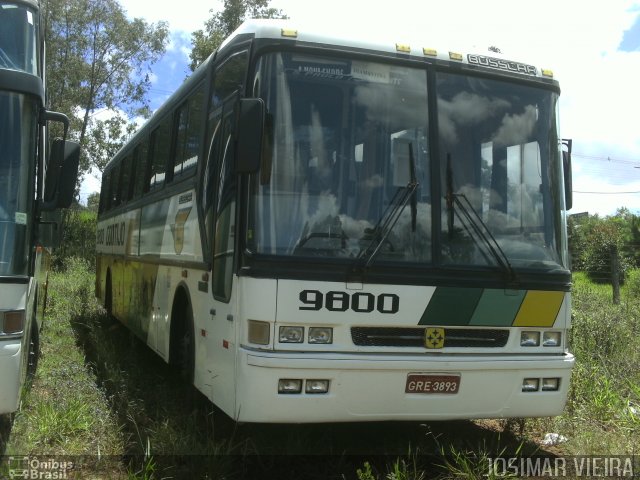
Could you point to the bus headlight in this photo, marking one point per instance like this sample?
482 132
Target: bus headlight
551 339
550 384
530 384
316 386
289 385
291 334
320 335
530 339
12 323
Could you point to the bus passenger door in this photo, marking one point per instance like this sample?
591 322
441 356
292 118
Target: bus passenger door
221 221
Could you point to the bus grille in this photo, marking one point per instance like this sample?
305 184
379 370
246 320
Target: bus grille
415 337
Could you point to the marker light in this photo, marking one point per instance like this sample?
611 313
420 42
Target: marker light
316 386
430 52
259 332
12 323
547 73
289 385
550 384
455 56
291 334
403 48
289 32
320 335
530 384
551 339
530 339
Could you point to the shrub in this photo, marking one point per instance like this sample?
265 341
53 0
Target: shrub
78 237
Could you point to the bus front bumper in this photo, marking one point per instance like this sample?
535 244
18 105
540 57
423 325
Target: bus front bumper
373 387
10 358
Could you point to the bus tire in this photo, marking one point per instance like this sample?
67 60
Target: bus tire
33 353
108 295
182 350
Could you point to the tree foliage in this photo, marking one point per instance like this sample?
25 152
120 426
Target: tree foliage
105 138
78 236
98 59
593 241
223 23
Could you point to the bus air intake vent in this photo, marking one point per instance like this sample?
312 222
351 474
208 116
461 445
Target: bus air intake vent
415 337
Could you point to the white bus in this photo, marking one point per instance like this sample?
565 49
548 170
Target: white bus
319 229
26 193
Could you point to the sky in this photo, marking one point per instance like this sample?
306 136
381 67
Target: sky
593 49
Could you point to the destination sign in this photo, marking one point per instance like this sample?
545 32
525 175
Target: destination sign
502 64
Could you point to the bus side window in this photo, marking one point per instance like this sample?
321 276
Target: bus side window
160 146
113 187
180 127
220 179
188 124
134 173
142 159
104 193
224 234
125 180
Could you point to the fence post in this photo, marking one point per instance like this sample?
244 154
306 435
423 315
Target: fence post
615 274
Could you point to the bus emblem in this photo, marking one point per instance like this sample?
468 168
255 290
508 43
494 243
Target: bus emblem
178 229
434 338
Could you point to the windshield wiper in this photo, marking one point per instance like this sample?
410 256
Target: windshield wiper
7 62
392 214
476 223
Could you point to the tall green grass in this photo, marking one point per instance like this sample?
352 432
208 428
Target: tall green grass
65 412
603 410
101 392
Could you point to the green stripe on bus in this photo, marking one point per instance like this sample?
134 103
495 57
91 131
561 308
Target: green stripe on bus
497 307
451 306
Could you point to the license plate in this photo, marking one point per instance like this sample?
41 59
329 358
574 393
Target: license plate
422 383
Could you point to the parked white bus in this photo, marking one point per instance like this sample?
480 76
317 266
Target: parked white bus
26 193
319 229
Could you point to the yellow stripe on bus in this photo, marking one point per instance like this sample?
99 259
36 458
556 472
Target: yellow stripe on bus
539 309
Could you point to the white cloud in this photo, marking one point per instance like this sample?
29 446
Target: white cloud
185 16
579 40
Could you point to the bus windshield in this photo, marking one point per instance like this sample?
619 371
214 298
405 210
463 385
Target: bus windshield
18 117
18 38
344 137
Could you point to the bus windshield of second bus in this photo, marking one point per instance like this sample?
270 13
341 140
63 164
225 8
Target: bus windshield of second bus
19 120
19 117
18 46
344 134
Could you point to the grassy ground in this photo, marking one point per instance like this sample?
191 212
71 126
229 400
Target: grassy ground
603 413
106 402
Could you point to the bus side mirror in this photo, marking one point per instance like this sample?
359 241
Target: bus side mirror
566 167
249 135
62 174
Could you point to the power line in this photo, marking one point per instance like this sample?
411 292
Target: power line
628 161
606 193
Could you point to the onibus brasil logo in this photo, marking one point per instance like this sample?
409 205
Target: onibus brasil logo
39 468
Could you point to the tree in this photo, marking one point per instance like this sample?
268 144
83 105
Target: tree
105 138
594 240
93 202
631 235
98 59
222 24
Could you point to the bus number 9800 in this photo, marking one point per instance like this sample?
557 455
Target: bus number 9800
359 302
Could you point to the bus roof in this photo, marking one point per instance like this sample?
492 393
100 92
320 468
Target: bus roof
286 30
35 4
376 42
